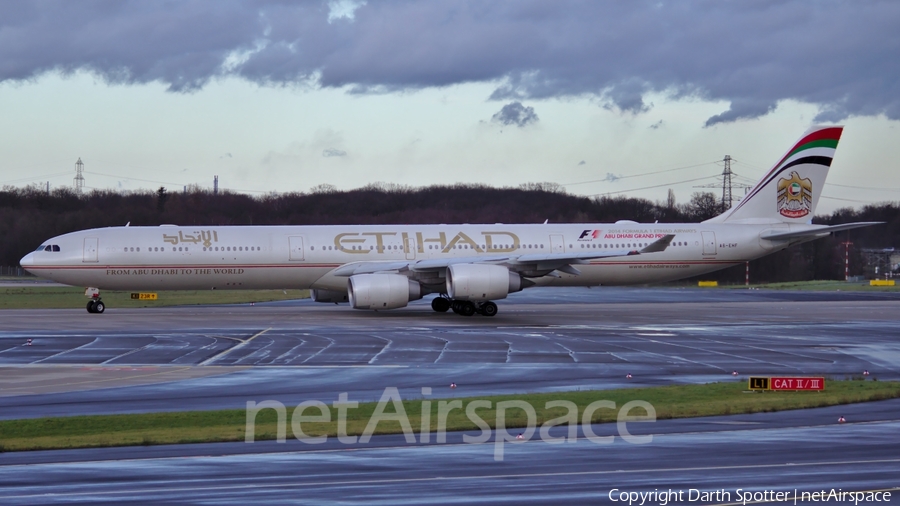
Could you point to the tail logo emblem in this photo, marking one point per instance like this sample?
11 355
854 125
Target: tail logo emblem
794 196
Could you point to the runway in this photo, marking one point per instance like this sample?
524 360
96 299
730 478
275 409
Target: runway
222 356
215 357
778 452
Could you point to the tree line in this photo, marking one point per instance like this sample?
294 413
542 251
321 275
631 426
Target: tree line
31 215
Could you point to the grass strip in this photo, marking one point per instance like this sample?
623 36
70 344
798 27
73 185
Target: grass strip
679 401
62 297
819 286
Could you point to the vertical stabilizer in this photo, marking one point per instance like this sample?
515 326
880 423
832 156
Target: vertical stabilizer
790 191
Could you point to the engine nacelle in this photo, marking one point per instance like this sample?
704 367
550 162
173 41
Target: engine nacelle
382 291
479 282
335 296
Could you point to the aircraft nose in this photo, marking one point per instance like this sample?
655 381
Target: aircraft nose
27 261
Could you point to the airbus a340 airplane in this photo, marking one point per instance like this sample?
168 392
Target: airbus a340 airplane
385 267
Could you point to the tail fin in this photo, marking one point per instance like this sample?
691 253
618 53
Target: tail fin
790 191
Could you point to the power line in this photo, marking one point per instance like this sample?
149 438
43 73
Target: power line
134 178
57 162
847 200
727 184
166 182
130 166
24 179
640 175
650 187
864 187
735 160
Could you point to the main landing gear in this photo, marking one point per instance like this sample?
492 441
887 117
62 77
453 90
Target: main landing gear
464 307
96 306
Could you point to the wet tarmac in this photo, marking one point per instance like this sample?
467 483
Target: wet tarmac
723 458
214 357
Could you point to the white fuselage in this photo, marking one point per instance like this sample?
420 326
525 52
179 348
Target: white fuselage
260 257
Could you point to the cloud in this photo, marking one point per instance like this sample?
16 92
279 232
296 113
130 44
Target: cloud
343 9
837 55
743 109
656 125
581 162
329 152
515 113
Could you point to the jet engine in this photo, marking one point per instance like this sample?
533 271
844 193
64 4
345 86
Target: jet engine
382 291
335 296
478 282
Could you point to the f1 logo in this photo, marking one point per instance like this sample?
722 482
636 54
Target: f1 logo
587 235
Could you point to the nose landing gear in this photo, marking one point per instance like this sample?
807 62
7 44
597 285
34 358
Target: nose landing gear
95 305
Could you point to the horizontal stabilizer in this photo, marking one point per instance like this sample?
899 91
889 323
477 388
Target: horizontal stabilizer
814 232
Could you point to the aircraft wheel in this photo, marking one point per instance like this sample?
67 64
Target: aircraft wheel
489 309
99 307
440 304
90 306
466 308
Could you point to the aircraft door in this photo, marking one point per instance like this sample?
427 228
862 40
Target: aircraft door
709 243
90 249
296 246
410 248
557 243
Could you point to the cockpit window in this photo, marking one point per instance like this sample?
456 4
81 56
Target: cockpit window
48 248
41 248
55 247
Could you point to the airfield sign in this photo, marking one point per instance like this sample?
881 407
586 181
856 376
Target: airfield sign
782 383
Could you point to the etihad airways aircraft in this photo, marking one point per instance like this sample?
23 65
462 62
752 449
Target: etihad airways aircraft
467 266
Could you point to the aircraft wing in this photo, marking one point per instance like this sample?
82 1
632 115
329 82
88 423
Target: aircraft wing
526 262
564 262
815 232
413 265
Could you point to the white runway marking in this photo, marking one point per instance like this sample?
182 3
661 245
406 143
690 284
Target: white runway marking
149 491
229 350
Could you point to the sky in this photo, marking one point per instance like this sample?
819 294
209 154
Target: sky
604 97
